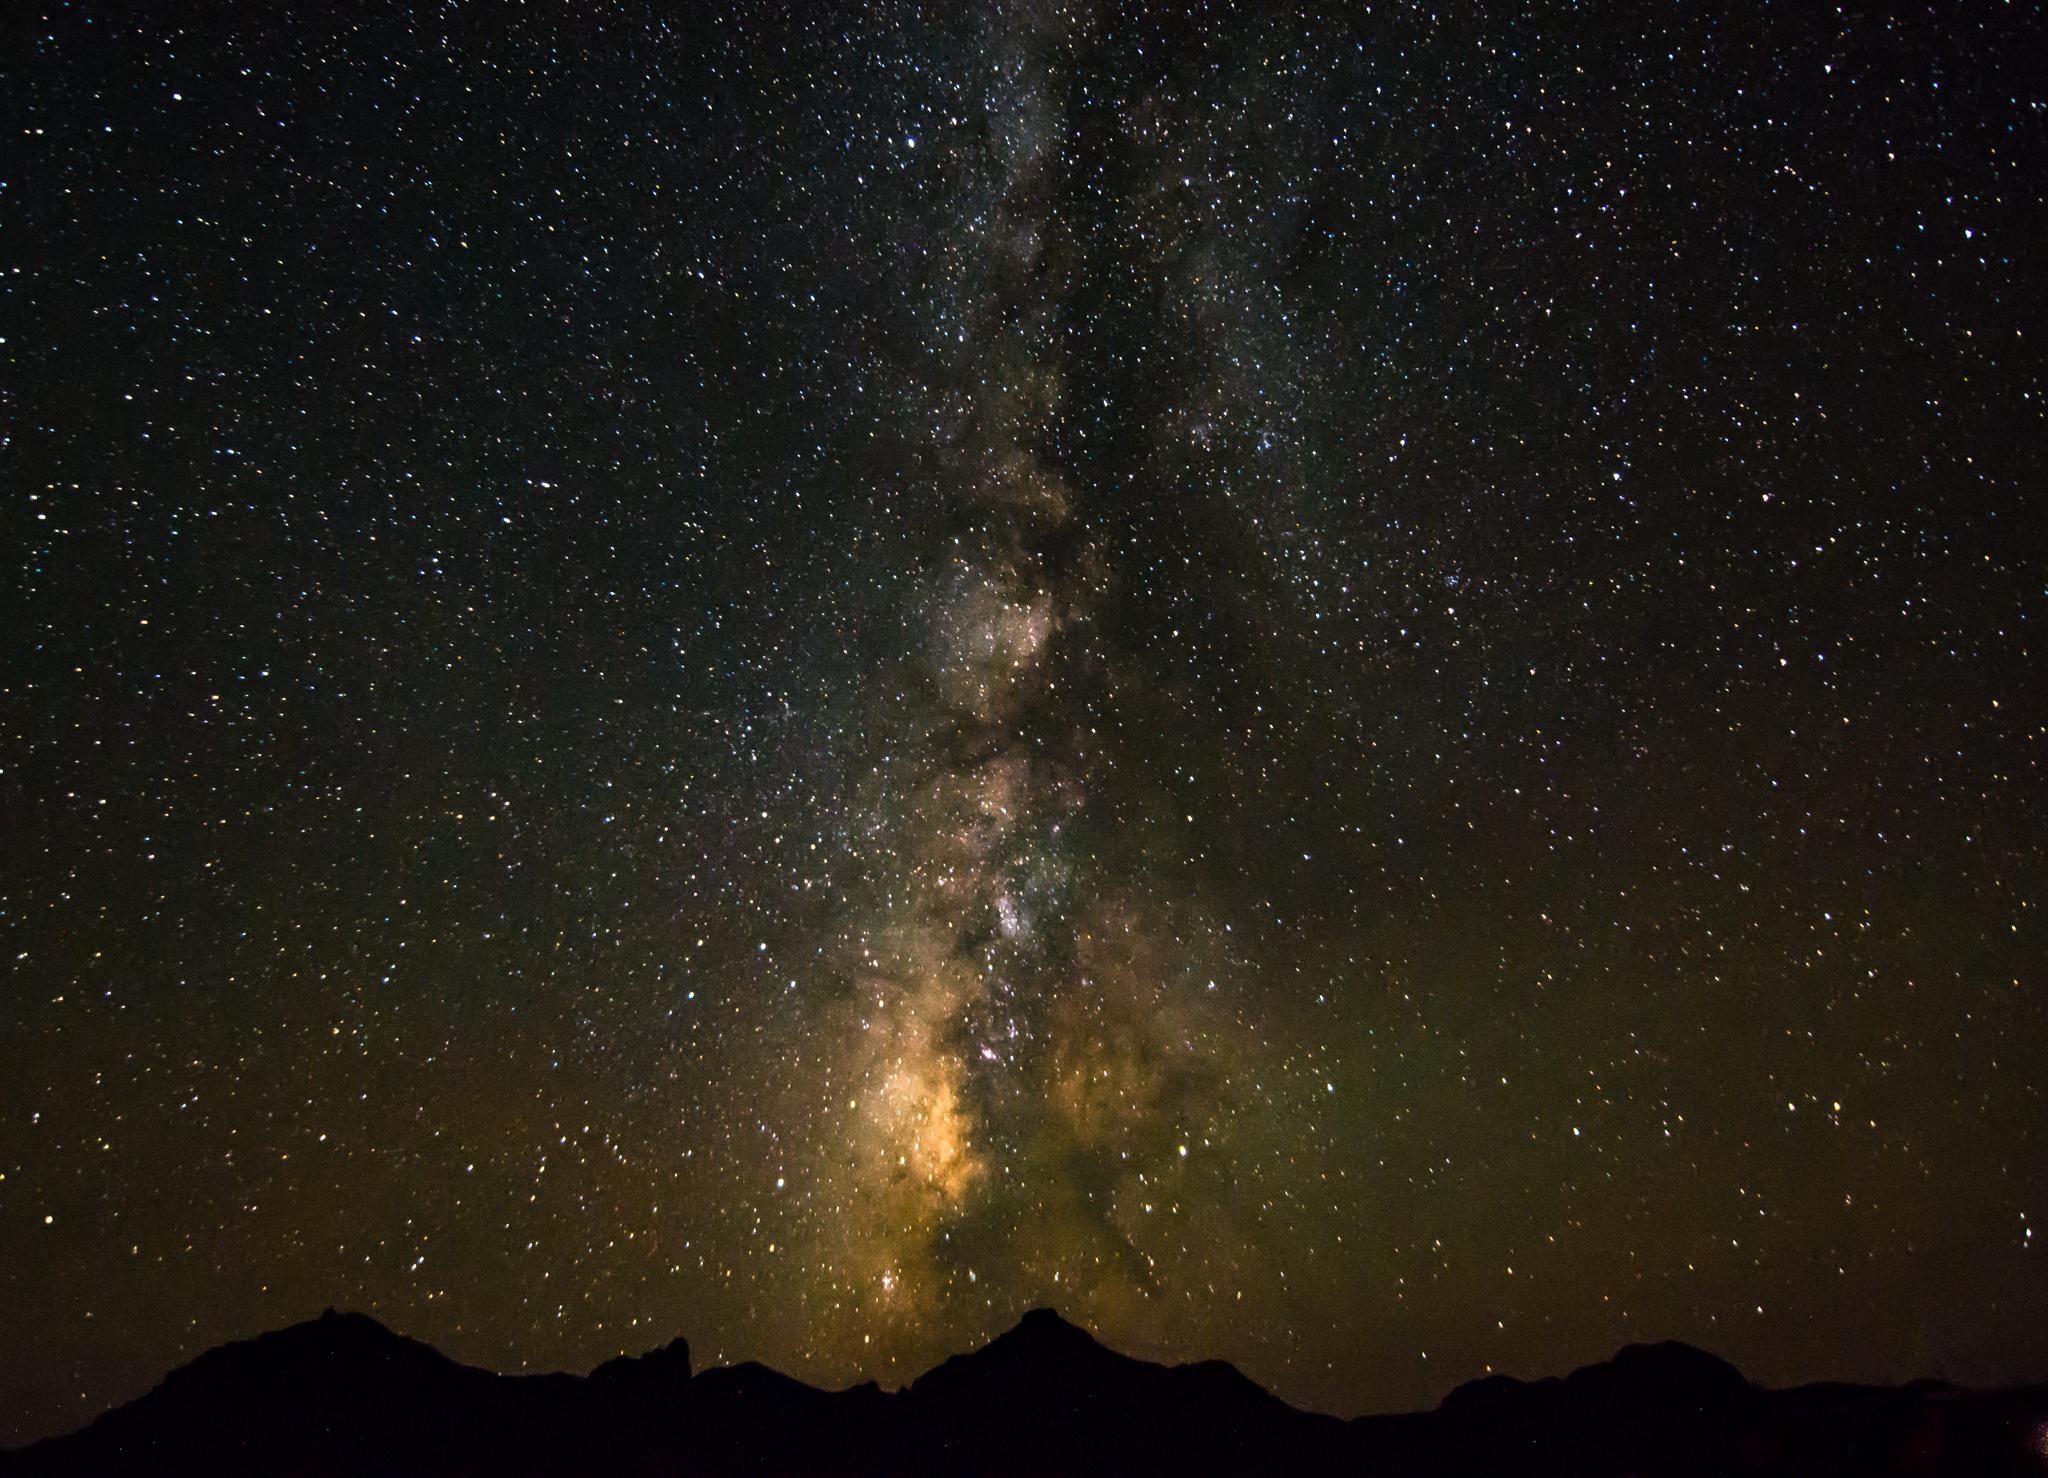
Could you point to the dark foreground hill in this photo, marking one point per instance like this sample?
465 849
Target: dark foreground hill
343 1395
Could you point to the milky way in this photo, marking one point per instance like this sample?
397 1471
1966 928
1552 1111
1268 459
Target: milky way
1350 688
1028 1037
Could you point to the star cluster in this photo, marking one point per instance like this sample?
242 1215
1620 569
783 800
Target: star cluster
1346 687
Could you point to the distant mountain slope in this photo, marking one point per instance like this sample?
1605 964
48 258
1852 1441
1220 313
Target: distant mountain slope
342 1395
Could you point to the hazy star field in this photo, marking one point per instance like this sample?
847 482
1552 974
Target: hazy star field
1352 688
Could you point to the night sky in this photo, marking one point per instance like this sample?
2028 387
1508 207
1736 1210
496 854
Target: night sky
1359 691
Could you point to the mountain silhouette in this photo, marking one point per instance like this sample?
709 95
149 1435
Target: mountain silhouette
1046 1382
343 1395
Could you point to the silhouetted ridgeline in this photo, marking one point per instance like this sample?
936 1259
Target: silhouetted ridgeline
344 1395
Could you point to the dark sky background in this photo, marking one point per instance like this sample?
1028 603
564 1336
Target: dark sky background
1358 690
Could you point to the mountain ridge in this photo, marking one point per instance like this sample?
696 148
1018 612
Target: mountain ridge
344 1394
